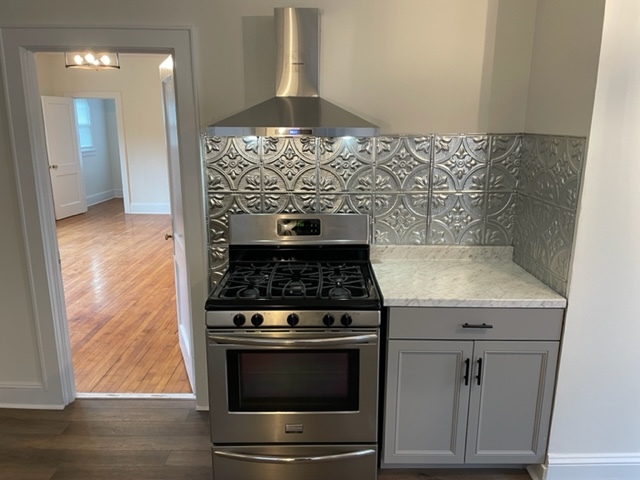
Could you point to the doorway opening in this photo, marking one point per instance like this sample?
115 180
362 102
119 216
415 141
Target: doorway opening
116 263
54 385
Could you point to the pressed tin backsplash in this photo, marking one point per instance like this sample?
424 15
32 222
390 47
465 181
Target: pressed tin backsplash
418 190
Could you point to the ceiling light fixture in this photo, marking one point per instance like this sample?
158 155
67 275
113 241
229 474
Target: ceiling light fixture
91 61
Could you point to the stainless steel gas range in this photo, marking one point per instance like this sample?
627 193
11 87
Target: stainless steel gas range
293 334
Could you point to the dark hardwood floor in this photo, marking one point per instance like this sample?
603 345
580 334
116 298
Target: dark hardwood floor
120 439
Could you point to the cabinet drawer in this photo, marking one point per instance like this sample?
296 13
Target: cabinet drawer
475 323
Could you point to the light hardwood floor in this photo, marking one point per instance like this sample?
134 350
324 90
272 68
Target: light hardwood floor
136 440
119 288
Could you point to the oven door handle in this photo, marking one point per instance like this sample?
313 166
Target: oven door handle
292 342
289 460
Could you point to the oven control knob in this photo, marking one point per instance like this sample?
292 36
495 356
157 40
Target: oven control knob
257 319
328 319
238 319
293 319
346 320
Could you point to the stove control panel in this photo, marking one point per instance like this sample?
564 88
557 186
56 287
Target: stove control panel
300 319
288 227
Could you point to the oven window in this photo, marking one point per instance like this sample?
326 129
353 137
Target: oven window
302 381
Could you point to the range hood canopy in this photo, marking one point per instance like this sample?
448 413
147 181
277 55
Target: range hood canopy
297 108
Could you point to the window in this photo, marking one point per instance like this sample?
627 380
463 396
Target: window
83 121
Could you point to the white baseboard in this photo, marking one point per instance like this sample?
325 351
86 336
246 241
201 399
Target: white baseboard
96 198
118 193
28 406
152 208
623 466
537 472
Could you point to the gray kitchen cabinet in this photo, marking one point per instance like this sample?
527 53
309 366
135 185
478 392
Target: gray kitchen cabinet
475 395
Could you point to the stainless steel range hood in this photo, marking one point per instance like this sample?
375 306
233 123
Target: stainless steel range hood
297 108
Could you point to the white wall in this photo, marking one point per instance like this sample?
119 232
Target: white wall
564 66
112 141
410 65
138 83
18 346
597 412
96 162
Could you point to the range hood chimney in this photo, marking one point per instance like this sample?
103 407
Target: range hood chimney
296 109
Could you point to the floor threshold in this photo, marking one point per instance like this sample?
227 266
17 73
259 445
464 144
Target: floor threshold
143 396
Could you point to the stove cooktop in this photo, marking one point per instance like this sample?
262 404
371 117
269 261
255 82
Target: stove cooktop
299 284
297 262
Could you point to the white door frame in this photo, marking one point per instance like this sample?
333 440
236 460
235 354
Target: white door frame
19 46
122 143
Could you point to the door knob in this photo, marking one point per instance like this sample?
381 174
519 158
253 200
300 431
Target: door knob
167 236
53 167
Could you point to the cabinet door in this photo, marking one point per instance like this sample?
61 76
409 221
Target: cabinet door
510 406
426 402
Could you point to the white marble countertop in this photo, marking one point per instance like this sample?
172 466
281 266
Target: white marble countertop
457 277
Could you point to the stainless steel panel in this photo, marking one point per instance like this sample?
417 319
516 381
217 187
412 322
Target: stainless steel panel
308 318
272 427
262 229
295 462
297 109
297 41
294 116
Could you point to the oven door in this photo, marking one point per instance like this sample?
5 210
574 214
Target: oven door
293 387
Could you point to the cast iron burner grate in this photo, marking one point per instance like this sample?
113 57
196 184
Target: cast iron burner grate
296 280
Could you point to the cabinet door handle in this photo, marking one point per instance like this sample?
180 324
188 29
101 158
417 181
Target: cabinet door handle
467 363
476 325
479 376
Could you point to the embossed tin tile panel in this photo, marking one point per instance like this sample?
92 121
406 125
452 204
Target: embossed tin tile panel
346 203
457 218
460 162
401 219
500 220
548 195
347 162
233 163
499 189
505 160
218 262
289 163
405 163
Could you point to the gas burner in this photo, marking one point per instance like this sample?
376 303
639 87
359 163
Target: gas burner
339 293
250 292
294 288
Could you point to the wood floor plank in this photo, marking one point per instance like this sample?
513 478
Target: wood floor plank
102 414
26 472
138 439
78 457
32 426
112 443
120 297
138 428
137 473
199 458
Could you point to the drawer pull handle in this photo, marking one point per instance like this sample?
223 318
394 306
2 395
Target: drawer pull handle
479 376
467 363
476 325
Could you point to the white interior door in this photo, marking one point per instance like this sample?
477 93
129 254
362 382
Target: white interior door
65 169
177 221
